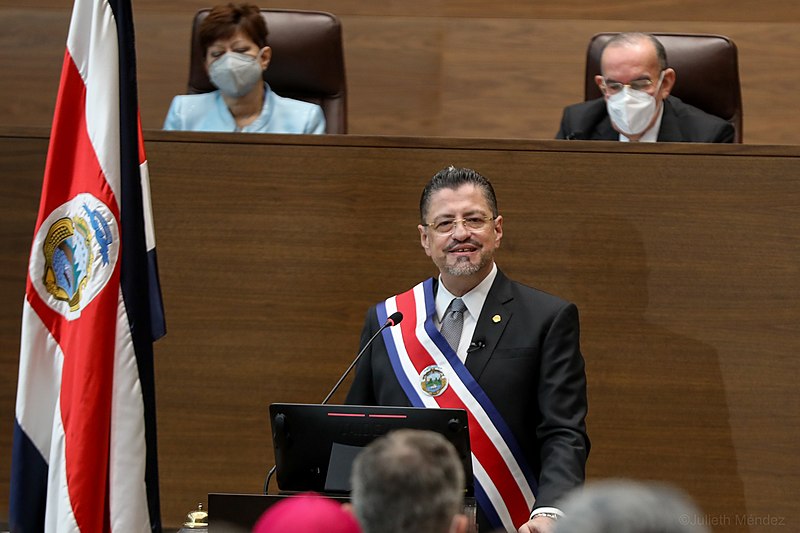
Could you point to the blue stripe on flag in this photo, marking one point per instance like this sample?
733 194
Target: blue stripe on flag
136 280
28 495
158 325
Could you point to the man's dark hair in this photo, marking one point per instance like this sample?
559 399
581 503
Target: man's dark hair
453 178
630 38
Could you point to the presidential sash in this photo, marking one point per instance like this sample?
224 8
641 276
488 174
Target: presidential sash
432 375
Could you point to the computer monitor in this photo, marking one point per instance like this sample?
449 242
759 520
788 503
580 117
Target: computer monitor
315 445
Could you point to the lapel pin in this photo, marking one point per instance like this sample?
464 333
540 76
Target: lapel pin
496 319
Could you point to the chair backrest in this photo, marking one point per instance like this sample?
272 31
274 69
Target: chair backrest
706 67
307 61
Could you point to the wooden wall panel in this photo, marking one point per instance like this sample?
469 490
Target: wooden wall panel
683 261
31 54
683 10
456 69
20 161
514 87
400 70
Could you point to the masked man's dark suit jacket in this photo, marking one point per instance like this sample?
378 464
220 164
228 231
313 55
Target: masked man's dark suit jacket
680 123
530 366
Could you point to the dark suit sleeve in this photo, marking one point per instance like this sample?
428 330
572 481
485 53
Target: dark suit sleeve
697 126
586 121
682 122
726 133
562 400
362 390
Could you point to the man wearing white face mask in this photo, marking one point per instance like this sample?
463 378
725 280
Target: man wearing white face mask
636 103
234 42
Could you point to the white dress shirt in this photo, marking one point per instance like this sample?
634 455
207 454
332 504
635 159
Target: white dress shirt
474 301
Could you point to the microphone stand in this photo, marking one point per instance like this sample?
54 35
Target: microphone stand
394 319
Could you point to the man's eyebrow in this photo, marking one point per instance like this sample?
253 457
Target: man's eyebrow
640 78
467 213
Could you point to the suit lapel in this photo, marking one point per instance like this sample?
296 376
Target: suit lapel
605 131
670 125
489 328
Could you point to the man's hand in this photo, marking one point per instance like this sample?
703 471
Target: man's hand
538 524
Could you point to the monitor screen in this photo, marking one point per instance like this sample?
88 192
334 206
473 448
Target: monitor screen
315 445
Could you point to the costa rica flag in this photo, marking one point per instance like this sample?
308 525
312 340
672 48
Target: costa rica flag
84 455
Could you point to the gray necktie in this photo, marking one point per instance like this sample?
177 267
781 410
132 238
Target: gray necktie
453 322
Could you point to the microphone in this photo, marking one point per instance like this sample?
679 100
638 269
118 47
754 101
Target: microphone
476 345
394 319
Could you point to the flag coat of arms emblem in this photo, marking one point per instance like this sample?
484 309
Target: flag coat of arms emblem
84 453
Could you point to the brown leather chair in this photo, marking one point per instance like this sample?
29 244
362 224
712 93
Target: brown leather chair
307 61
706 67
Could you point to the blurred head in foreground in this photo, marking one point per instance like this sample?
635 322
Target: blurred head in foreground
624 506
306 513
407 481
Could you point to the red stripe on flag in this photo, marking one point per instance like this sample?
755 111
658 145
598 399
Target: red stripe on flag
142 154
482 447
88 342
70 148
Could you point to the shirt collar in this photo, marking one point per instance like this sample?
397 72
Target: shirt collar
266 111
474 299
263 118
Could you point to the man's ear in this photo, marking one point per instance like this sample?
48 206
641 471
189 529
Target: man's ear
424 239
599 81
459 524
667 83
498 230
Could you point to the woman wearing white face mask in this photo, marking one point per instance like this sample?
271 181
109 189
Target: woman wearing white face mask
234 42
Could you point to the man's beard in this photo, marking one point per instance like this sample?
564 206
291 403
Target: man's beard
467 268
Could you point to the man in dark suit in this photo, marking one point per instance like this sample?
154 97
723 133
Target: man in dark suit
514 363
636 103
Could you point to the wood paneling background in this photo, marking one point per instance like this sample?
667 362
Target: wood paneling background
459 68
683 261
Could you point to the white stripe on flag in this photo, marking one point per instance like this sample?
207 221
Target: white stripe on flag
40 373
128 447
147 206
59 516
92 43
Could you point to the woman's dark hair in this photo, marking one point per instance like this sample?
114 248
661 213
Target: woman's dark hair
225 20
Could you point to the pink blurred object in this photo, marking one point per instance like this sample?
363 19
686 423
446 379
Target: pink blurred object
307 513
